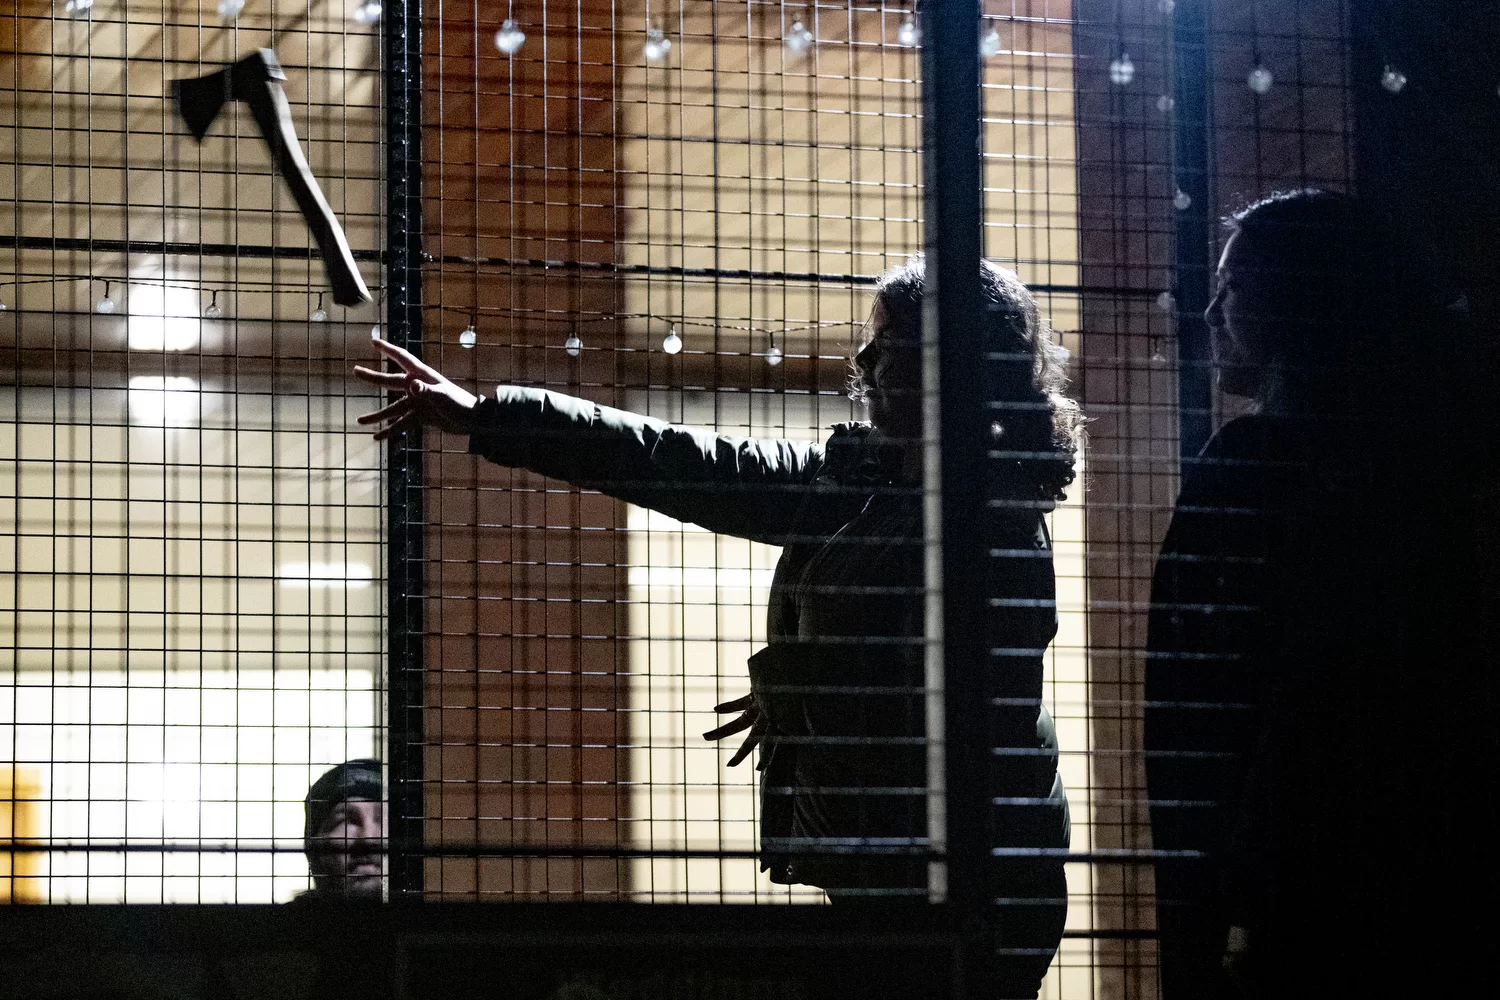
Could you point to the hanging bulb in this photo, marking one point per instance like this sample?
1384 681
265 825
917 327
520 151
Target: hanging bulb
989 44
773 356
78 8
1392 79
319 314
1181 200
229 10
510 37
1121 70
1166 302
1166 6
1260 79
573 345
374 333
657 44
213 311
1165 104
368 12
909 34
1157 357
105 305
672 343
468 336
798 39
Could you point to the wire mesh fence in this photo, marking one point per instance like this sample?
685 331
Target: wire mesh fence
614 222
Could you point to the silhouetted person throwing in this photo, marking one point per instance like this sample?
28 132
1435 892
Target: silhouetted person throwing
837 704
344 832
1305 785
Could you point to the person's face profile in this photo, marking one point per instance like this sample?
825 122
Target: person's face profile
888 365
349 856
1236 322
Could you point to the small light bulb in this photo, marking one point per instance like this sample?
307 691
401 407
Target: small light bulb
367 12
374 333
230 10
997 430
1166 302
105 305
510 37
1157 357
798 39
773 356
657 44
909 34
989 44
1392 79
573 345
1260 79
1166 6
78 8
672 343
1121 70
319 315
3 307
213 311
1165 103
468 337
1181 200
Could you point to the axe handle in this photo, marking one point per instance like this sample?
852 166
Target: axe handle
274 116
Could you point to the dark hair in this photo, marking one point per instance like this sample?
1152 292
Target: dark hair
1342 301
1039 423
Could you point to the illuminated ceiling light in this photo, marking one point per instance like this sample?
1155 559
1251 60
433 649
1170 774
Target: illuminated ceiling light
163 318
657 44
1165 103
468 337
1260 79
78 8
672 343
163 401
368 12
324 574
319 315
1166 302
989 43
773 355
1121 70
798 39
573 345
229 10
213 311
105 305
1392 79
510 37
909 34
1181 200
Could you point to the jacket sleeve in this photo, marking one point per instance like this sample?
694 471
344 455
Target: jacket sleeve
746 487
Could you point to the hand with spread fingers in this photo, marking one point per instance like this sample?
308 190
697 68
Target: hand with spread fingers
423 396
750 718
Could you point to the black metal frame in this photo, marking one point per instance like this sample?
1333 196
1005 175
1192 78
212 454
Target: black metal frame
1194 264
403 96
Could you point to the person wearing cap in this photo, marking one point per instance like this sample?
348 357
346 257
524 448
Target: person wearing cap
344 832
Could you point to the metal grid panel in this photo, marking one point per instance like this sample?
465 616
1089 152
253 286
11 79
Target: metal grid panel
192 622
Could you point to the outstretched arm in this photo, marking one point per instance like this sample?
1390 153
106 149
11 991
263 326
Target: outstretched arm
746 487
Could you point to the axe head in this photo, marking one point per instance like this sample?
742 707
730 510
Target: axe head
200 99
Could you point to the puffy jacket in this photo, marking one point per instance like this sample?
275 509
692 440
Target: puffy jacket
841 683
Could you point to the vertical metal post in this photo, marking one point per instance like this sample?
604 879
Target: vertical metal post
1194 250
403 290
955 448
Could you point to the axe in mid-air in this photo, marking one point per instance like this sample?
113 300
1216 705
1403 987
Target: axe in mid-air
255 80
